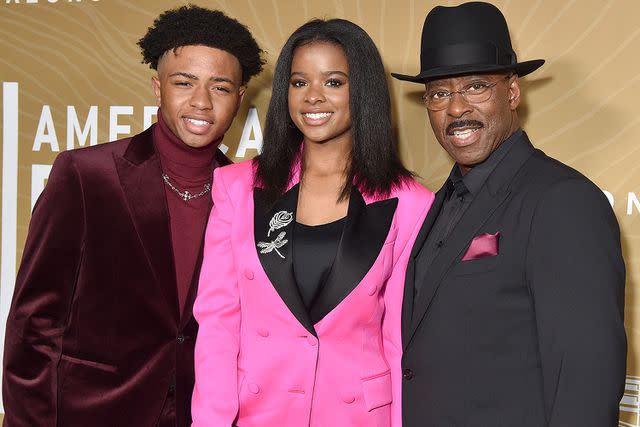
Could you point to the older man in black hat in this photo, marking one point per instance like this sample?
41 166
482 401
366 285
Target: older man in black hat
513 308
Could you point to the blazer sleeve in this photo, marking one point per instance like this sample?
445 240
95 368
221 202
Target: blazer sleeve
409 225
42 298
576 275
217 311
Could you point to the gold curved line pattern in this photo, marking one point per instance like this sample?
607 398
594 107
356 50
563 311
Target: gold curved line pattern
28 49
338 10
381 25
131 7
591 112
78 47
585 80
523 25
566 6
259 25
276 13
359 15
582 36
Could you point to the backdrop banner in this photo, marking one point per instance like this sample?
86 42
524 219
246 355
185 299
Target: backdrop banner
72 76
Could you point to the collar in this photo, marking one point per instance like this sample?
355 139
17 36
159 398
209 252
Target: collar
477 176
180 160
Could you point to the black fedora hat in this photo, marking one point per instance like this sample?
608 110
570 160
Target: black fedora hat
470 38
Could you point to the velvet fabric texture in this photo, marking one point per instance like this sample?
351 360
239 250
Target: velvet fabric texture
94 334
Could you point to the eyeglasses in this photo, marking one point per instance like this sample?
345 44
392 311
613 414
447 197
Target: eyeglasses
474 93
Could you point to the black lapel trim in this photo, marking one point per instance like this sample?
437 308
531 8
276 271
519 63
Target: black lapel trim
495 191
409 286
364 234
277 262
140 176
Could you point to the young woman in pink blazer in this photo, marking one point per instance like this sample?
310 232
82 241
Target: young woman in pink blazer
306 249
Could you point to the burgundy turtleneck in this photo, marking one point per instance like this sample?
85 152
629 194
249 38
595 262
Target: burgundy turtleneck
189 169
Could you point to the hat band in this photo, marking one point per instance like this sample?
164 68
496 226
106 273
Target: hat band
465 54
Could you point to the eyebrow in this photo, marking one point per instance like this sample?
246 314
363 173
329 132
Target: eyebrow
326 73
194 77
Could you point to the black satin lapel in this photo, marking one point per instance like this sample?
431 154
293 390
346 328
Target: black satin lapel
364 234
143 187
277 261
478 212
409 283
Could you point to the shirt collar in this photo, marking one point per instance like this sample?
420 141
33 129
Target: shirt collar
477 175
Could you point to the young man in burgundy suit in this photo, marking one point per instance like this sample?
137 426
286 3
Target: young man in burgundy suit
100 331
513 306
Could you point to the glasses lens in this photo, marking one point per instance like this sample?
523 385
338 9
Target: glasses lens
476 93
436 100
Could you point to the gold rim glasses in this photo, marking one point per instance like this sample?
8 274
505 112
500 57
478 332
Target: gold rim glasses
475 92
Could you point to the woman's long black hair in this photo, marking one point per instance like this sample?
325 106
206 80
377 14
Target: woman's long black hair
374 167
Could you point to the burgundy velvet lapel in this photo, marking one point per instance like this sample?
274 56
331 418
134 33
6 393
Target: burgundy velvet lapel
140 176
187 311
364 234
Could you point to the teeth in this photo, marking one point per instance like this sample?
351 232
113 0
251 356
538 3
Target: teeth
317 116
463 134
198 122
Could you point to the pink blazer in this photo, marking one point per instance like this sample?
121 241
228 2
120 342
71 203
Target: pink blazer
262 359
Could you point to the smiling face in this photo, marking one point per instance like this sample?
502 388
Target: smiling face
198 90
319 93
471 132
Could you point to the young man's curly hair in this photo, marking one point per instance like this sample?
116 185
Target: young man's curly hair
193 25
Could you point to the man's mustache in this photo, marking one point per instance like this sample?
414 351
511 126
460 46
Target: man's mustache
463 124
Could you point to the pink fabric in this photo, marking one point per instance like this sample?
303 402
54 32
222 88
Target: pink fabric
257 365
482 246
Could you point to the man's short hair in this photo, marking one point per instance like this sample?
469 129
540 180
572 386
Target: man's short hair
193 25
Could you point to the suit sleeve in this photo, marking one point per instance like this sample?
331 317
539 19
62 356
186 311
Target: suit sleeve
576 275
42 298
410 225
217 310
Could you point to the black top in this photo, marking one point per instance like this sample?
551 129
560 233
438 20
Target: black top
313 253
460 191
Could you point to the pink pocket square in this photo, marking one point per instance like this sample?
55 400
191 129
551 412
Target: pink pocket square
482 246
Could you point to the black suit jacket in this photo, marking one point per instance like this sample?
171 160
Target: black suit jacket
533 336
94 336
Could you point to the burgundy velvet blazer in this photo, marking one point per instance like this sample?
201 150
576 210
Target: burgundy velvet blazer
94 334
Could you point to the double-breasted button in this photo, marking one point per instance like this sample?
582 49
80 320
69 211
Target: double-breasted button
312 340
372 290
348 398
248 273
180 339
253 388
407 374
263 332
